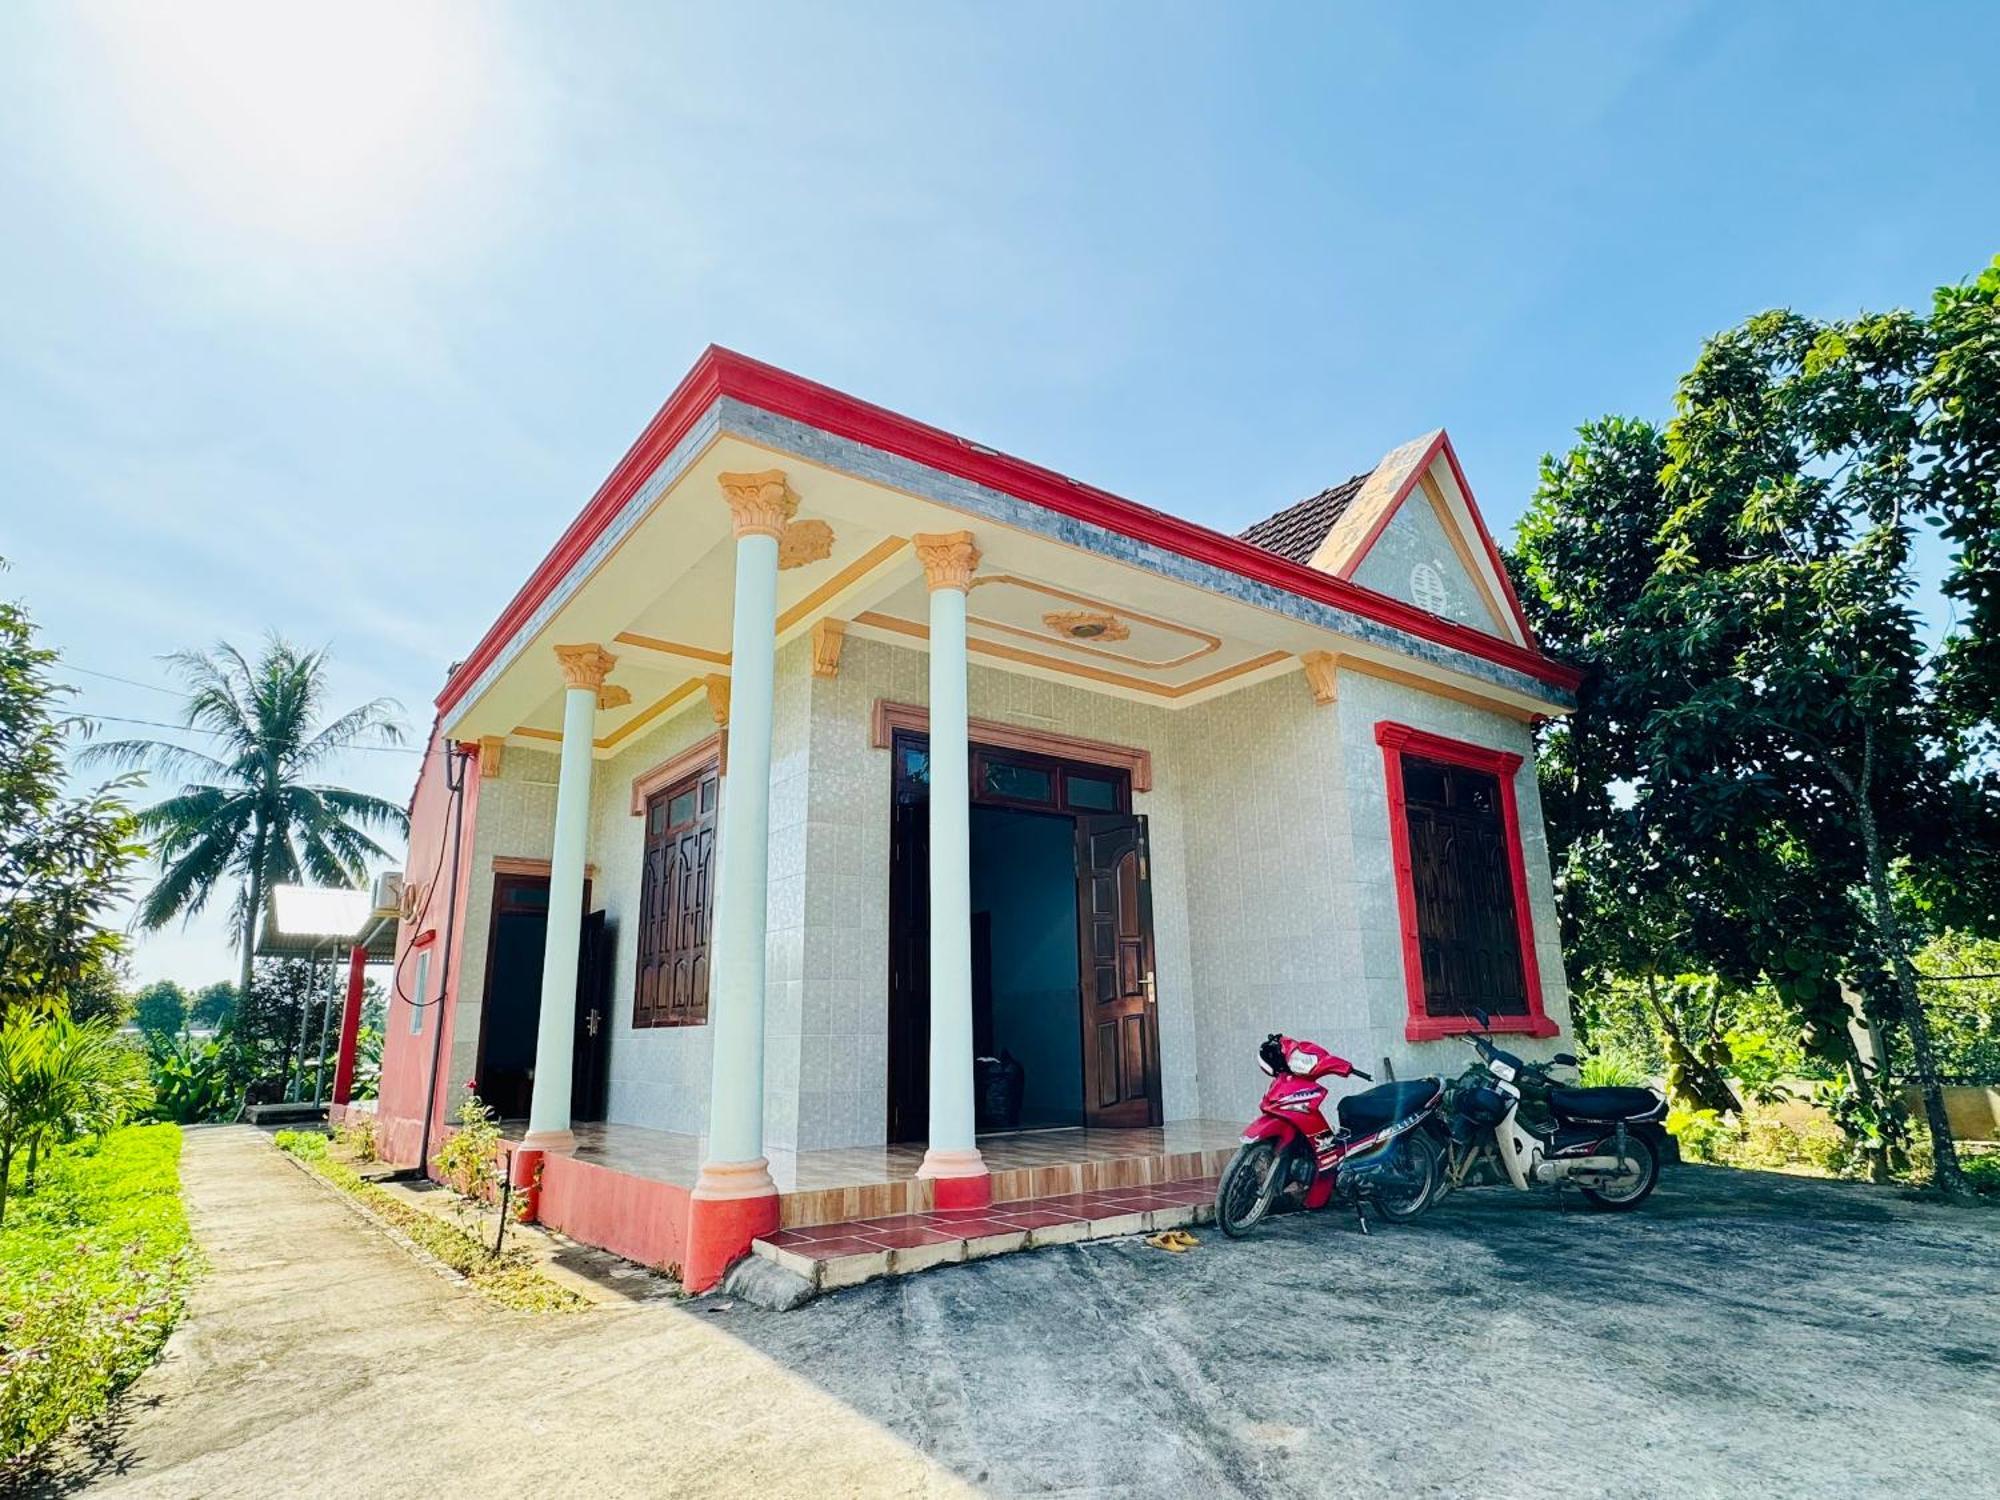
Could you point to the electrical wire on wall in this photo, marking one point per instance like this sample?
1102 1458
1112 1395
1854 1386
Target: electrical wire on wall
456 760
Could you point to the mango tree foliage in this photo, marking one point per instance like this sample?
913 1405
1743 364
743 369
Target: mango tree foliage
1774 768
63 859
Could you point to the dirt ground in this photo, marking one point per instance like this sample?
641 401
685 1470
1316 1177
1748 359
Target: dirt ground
1745 1334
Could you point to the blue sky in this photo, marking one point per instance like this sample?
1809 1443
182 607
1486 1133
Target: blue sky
291 302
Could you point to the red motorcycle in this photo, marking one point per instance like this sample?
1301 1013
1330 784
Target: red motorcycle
1375 1157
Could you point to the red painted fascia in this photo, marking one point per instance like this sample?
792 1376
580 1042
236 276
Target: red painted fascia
1420 1026
721 372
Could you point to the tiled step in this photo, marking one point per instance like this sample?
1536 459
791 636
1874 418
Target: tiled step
847 1254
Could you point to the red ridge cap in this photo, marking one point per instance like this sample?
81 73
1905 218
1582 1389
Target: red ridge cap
722 372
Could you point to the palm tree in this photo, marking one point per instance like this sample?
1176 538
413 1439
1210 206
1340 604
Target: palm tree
246 813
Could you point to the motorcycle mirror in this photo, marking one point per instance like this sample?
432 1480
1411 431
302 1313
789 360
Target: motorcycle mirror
1485 1022
1566 1060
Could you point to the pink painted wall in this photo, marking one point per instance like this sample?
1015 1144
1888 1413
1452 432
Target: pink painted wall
406 1057
634 1217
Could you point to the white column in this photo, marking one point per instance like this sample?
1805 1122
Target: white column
584 669
949 561
734 1166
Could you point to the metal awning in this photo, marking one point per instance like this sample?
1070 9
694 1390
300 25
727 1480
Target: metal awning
305 921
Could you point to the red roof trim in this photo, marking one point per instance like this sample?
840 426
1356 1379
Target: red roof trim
720 372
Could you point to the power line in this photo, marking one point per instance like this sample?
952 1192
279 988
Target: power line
188 729
151 687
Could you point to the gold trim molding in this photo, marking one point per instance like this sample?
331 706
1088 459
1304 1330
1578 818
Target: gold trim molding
889 717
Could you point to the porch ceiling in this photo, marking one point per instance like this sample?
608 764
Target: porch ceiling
657 594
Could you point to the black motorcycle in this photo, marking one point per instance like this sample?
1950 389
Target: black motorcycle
1507 1120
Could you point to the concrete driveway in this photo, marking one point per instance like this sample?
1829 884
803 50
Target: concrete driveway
1744 1335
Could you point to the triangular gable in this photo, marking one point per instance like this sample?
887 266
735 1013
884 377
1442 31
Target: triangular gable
1442 539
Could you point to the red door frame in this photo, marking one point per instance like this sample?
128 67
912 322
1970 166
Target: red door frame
1397 740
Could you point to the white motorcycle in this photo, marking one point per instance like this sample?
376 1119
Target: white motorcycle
1506 1120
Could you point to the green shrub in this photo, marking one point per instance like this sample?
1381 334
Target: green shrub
1613 1066
94 1270
191 1079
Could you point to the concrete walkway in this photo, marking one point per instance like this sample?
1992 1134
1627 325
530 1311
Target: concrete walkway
319 1358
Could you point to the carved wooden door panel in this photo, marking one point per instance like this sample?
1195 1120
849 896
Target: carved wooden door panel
1467 935
1121 1038
676 900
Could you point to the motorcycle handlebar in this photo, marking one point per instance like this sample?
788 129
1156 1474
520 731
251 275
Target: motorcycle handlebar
1354 1072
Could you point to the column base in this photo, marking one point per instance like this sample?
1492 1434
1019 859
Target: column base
525 1176
733 1203
553 1142
958 1178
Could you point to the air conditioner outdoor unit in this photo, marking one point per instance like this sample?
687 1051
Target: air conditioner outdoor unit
388 895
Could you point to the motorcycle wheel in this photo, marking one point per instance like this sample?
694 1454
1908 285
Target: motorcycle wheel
1635 1189
1247 1189
1416 1179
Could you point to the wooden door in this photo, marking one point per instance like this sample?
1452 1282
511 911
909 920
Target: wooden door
676 902
1121 1037
590 1057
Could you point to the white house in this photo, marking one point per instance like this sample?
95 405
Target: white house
827 753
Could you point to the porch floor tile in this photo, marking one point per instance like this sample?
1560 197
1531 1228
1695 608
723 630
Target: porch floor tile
846 1254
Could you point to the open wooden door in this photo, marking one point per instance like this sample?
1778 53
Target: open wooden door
590 1057
1121 1034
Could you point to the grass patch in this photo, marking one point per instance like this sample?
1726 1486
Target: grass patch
510 1278
94 1271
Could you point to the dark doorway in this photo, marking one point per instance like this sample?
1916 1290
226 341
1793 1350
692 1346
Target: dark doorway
1024 978
511 1008
1037 824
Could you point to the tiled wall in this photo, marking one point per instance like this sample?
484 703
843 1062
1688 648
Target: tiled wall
843 1091
1292 907
658 1075
1273 895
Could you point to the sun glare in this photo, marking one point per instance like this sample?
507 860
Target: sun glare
329 121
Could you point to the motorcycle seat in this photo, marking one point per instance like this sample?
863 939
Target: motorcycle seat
1604 1103
1380 1107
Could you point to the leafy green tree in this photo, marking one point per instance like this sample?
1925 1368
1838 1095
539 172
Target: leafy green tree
59 1079
212 1005
63 860
161 1008
102 994
249 815
1787 749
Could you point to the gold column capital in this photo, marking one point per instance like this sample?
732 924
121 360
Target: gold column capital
949 558
760 504
585 666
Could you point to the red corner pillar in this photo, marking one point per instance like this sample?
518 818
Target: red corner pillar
734 1200
957 1172
350 1027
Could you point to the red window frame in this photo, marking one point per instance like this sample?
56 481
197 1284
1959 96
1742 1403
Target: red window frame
1398 740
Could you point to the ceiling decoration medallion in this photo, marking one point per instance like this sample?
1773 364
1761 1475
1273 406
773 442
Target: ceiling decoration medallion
1086 625
804 542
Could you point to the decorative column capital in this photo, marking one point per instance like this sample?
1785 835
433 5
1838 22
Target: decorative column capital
828 636
760 504
949 558
1322 676
585 666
